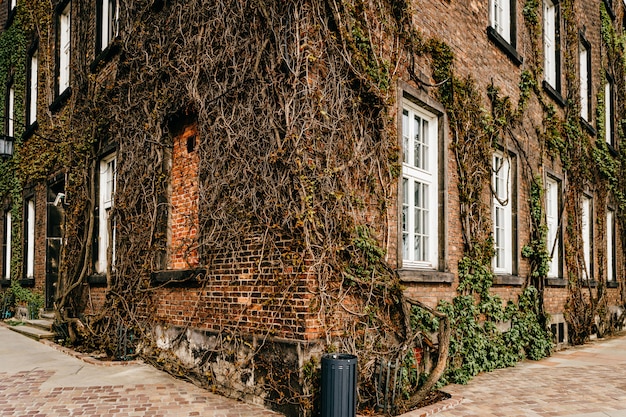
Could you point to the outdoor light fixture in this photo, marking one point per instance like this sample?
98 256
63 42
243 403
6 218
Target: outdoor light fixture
6 146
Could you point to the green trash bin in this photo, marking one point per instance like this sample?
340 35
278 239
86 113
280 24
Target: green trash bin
338 385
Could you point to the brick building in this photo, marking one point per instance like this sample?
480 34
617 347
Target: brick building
133 200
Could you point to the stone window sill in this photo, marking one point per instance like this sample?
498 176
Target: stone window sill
425 276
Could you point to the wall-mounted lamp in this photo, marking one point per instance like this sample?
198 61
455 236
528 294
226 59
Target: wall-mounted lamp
57 200
6 146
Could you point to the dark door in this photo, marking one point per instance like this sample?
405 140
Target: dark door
54 239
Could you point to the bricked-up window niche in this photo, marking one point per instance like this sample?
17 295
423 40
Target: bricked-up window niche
107 24
63 47
584 58
609 112
553 215
552 47
29 244
503 211
6 245
106 232
610 246
586 213
419 188
32 81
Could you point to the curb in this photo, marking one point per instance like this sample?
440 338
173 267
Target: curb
432 409
88 359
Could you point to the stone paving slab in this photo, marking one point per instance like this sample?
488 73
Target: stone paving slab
585 381
39 381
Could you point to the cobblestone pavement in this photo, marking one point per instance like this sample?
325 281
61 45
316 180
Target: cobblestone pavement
37 380
586 381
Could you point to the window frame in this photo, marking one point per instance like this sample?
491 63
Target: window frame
9 119
106 187
609 111
586 100
552 44
32 82
504 213
412 175
586 232
30 240
504 33
63 47
611 272
553 223
107 26
6 245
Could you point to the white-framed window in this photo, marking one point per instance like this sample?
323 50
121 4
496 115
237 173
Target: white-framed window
610 245
500 13
64 45
584 59
30 238
420 188
11 111
6 246
12 4
608 112
550 40
107 176
502 214
108 22
553 192
586 232
31 113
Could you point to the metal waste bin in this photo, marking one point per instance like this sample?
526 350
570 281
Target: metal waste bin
338 385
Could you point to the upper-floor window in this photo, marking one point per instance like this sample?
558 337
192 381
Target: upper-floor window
584 58
106 231
587 236
107 24
502 212
608 112
420 188
551 37
552 193
31 93
63 48
11 12
501 19
10 111
610 245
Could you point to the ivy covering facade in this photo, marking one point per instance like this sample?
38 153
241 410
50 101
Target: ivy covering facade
232 189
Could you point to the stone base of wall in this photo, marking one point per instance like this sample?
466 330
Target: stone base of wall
259 370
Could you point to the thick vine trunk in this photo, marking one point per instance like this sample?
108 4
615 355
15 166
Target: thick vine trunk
442 356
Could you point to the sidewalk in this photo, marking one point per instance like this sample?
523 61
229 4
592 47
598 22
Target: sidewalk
584 381
39 380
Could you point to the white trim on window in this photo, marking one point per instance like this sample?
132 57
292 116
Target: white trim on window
584 81
502 214
30 238
7 244
419 224
32 88
64 48
610 245
11 112
552 222
608 112
550 40
107 176
586 230
500 16
109 22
